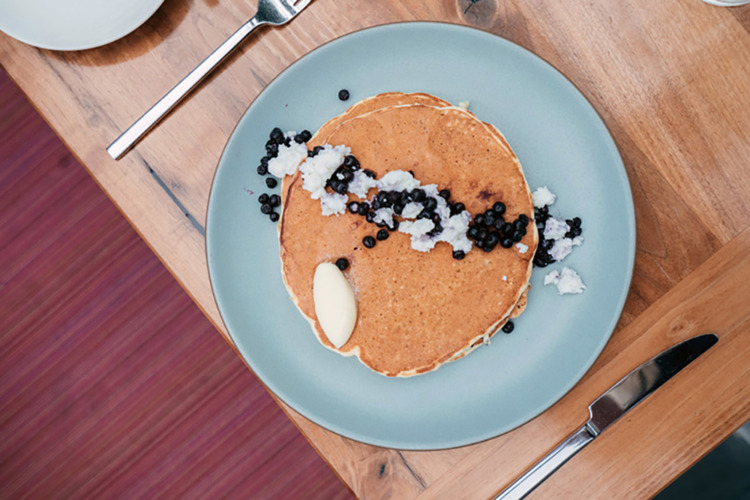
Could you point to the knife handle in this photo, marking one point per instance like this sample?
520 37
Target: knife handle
546 466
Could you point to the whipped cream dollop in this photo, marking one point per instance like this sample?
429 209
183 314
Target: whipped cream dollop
335 304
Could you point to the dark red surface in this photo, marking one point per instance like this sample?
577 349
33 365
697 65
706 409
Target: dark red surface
112 382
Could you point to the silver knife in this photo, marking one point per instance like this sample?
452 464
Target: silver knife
612 405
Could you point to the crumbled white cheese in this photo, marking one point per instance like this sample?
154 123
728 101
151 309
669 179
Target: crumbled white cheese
384 215
397 180
417 227
543 196
288 158
454 231
505 278
411 210
552 277
522 248
555 229
361 184
333 203
563 247
464 105
318 169
567 282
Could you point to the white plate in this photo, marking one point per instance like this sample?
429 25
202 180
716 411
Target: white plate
73 24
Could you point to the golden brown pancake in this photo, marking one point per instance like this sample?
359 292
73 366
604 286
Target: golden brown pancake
416 310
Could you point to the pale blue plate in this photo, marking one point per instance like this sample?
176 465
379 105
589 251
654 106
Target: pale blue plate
562 143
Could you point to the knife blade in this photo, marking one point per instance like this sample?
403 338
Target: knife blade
610 406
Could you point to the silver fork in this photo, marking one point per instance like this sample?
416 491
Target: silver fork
273 12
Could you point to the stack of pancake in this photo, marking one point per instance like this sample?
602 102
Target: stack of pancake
416 311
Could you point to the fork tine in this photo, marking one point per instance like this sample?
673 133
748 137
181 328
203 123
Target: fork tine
301 4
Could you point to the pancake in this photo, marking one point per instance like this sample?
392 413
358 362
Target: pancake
376 102
416 311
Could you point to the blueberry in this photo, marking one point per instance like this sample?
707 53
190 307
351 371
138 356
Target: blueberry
261 170
398 208
264 161
459 254
524 219
483 233
506 243
303 136
435 218
276 134
507 228
351 162
430 204
315 151
342 263
272 149
393 196
273 216
457 208
418 195
382 235
274 200
394 225
376 204
517 236
493 238
445 194
498 208
344 95
489 219
370 217
263 198
368 241
353 207
577 221
517 225
508 327
369 173
271 182
472 233
364 208
479 220
499 223
540 225
266 209
339 187
383 198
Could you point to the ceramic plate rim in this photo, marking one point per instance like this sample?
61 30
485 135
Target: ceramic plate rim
437 444
126 30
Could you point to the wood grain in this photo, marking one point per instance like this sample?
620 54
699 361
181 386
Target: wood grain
670 80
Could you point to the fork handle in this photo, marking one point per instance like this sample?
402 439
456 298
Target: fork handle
150 118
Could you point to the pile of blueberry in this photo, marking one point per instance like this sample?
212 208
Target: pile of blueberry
490 229
397 201
275 139
542 258
339 181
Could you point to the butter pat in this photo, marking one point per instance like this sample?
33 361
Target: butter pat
335 305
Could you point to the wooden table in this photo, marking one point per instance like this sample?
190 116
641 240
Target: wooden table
671 80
